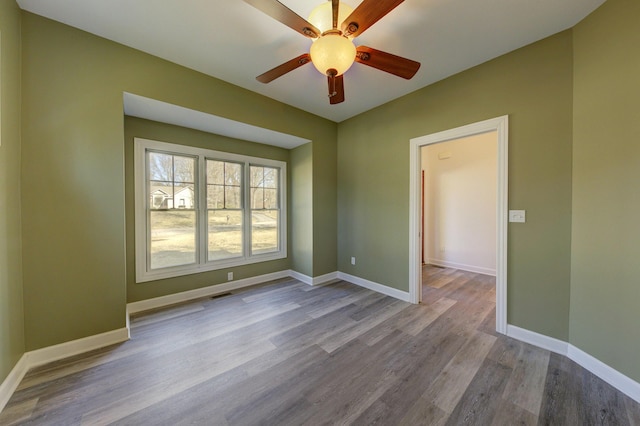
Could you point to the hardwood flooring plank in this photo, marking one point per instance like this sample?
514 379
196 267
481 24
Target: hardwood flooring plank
334 341
166 314
432 313
607 406
506 351
633 410
423 412
526 384
19 412
479 404
449 386
509 414
562 394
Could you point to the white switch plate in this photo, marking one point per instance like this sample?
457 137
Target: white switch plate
518 216
353 260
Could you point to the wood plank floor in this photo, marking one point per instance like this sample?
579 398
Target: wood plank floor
285 353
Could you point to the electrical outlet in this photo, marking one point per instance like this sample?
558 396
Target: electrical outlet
230 276
443 249
353 260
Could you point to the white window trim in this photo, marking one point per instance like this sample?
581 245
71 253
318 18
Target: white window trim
142 273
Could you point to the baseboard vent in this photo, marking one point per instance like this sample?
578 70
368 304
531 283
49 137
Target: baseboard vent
218 296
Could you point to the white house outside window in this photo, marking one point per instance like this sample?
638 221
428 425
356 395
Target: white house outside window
199 210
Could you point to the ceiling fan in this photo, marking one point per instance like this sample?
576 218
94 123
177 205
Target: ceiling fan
332 51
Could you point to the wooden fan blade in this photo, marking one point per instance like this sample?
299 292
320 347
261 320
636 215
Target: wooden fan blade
281 70
335 4
366 14
336 89
396 65
282 13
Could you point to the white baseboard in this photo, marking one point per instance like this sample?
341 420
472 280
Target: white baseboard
386 290
321 279
610 375
212 290
76 347
537 339
49 354
10 384
462 266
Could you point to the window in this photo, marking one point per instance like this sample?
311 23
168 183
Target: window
198 210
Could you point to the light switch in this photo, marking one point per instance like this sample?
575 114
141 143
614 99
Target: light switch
517 216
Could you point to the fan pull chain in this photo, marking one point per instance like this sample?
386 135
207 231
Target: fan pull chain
332 73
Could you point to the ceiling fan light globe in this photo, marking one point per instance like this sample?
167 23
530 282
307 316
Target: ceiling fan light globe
322 16
332 51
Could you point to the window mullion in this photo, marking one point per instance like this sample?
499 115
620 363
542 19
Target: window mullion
246 190
201 208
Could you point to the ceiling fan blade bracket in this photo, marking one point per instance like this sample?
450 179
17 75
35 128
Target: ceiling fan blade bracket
309 32
363 56
351 28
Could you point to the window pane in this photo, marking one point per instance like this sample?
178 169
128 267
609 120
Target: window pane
270 198
232 197
233 174
215 172
183 169
225 234
160 166
264 231
173 238
270 177
160 195
257 176
184 196
215 196
257 198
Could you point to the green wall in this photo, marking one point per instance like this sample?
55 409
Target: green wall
11 311
136 127
73 174
605 274
301 201
533 85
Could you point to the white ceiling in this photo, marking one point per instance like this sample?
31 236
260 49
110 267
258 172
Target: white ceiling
235 42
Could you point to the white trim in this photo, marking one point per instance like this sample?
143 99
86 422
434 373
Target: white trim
321 279
301 277
10 384
462 267
379 288
537 339
53 353
610 375
212 290
76 347
501 126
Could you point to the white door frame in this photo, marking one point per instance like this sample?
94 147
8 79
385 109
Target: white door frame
501 126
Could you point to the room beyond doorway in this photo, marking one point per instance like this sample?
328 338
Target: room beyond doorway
500 127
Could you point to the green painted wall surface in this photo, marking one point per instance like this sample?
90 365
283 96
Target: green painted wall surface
533 85
136 127
605 274
325 206
73 181
301 201
11 311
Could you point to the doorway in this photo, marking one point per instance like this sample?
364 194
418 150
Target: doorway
500 127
